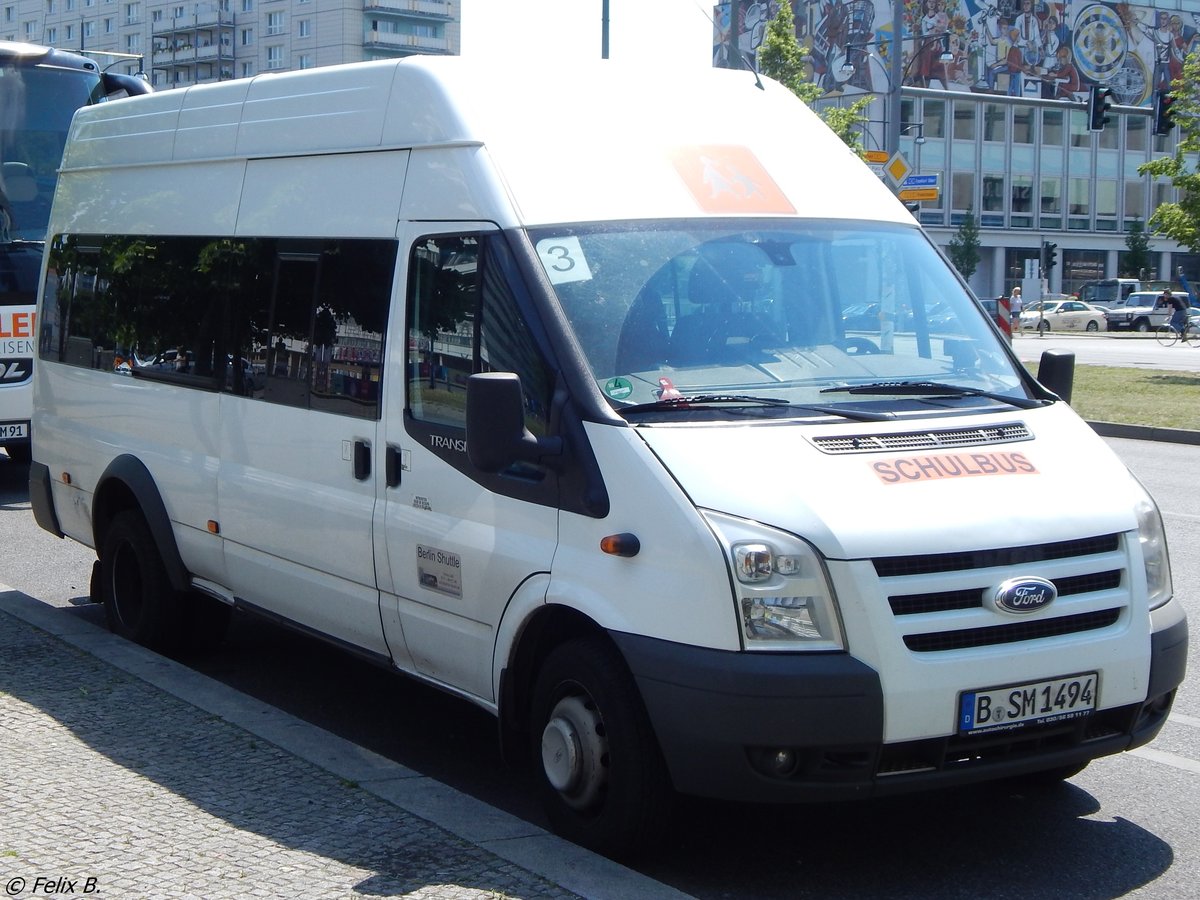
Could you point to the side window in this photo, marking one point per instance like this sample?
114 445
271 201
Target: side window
265 318
464 300
289 350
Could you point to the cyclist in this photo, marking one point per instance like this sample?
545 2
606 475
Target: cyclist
1179 317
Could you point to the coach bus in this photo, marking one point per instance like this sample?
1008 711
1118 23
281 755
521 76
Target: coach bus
40 89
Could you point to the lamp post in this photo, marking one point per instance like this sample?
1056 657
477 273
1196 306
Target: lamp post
604 29
896 72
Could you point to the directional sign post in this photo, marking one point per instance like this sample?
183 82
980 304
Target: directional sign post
920 187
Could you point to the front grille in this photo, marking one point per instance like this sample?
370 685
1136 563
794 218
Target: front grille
972 598
924 440
990 635
943 601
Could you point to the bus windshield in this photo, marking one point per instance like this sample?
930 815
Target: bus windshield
36 105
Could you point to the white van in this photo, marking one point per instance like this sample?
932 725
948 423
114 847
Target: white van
558 406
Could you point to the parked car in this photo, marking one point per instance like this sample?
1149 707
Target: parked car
1139 312
1062 315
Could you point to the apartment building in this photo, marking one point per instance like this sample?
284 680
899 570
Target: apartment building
177 43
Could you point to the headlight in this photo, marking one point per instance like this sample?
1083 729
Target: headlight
1153 539
783 595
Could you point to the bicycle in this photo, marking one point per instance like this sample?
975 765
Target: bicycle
1167 334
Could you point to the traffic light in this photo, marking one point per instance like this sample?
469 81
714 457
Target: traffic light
1099 103
1049 256
1163 119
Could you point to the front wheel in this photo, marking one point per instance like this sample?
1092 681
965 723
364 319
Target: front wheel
1043 326
1167 335
602 779
139 602
1142 325
1093 326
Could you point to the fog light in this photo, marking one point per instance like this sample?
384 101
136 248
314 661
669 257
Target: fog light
783 762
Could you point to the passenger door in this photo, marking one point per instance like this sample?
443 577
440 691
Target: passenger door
297 491
460 542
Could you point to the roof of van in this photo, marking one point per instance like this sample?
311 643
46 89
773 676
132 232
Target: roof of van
601 141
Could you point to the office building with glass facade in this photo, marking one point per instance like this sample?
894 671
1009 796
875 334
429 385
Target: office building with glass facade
992 98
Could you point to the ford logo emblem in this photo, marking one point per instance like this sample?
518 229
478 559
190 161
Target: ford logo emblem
1025 595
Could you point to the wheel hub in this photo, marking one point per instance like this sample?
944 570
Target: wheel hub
574 750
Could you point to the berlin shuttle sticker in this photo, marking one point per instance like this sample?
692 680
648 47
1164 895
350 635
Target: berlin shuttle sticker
729 179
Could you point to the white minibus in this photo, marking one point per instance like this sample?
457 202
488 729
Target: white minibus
629 406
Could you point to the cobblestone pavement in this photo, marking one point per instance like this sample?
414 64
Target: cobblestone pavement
112 787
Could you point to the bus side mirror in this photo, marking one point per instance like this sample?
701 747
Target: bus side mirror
1056 372
496 432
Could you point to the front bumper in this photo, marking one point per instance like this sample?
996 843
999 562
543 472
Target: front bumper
722 719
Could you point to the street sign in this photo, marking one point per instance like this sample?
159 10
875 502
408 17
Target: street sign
909 194
920 181
897 168
877 156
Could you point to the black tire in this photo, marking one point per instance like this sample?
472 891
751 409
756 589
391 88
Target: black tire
1142 325
600 773
139 602
1043 327
1093 326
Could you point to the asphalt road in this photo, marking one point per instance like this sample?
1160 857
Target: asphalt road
1111 349
1126 825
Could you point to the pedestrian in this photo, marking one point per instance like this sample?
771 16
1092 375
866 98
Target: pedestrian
1015 305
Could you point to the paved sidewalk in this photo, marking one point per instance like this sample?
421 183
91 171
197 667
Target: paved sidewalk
124 774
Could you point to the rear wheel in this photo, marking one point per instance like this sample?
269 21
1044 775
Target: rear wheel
601 776
139 602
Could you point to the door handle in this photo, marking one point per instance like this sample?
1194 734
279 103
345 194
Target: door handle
391 465
362 459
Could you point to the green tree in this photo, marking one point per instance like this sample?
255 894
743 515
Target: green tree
964 246
1138 257
781 57
1180 221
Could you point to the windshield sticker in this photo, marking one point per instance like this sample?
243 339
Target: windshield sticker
912 469
618 388
563 260
729 179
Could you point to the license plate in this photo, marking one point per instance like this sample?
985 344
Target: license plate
8 431
1021 705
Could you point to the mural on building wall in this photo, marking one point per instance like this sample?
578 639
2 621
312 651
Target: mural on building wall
1021 48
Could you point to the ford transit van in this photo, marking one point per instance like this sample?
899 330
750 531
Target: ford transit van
563 402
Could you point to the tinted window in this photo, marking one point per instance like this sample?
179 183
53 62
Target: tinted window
465 318
298 323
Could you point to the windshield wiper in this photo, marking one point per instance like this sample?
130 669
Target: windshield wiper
932 388
691 400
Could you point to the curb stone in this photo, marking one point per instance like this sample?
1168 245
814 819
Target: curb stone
473 849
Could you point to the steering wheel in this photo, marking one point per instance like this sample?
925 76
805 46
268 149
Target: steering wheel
857 346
